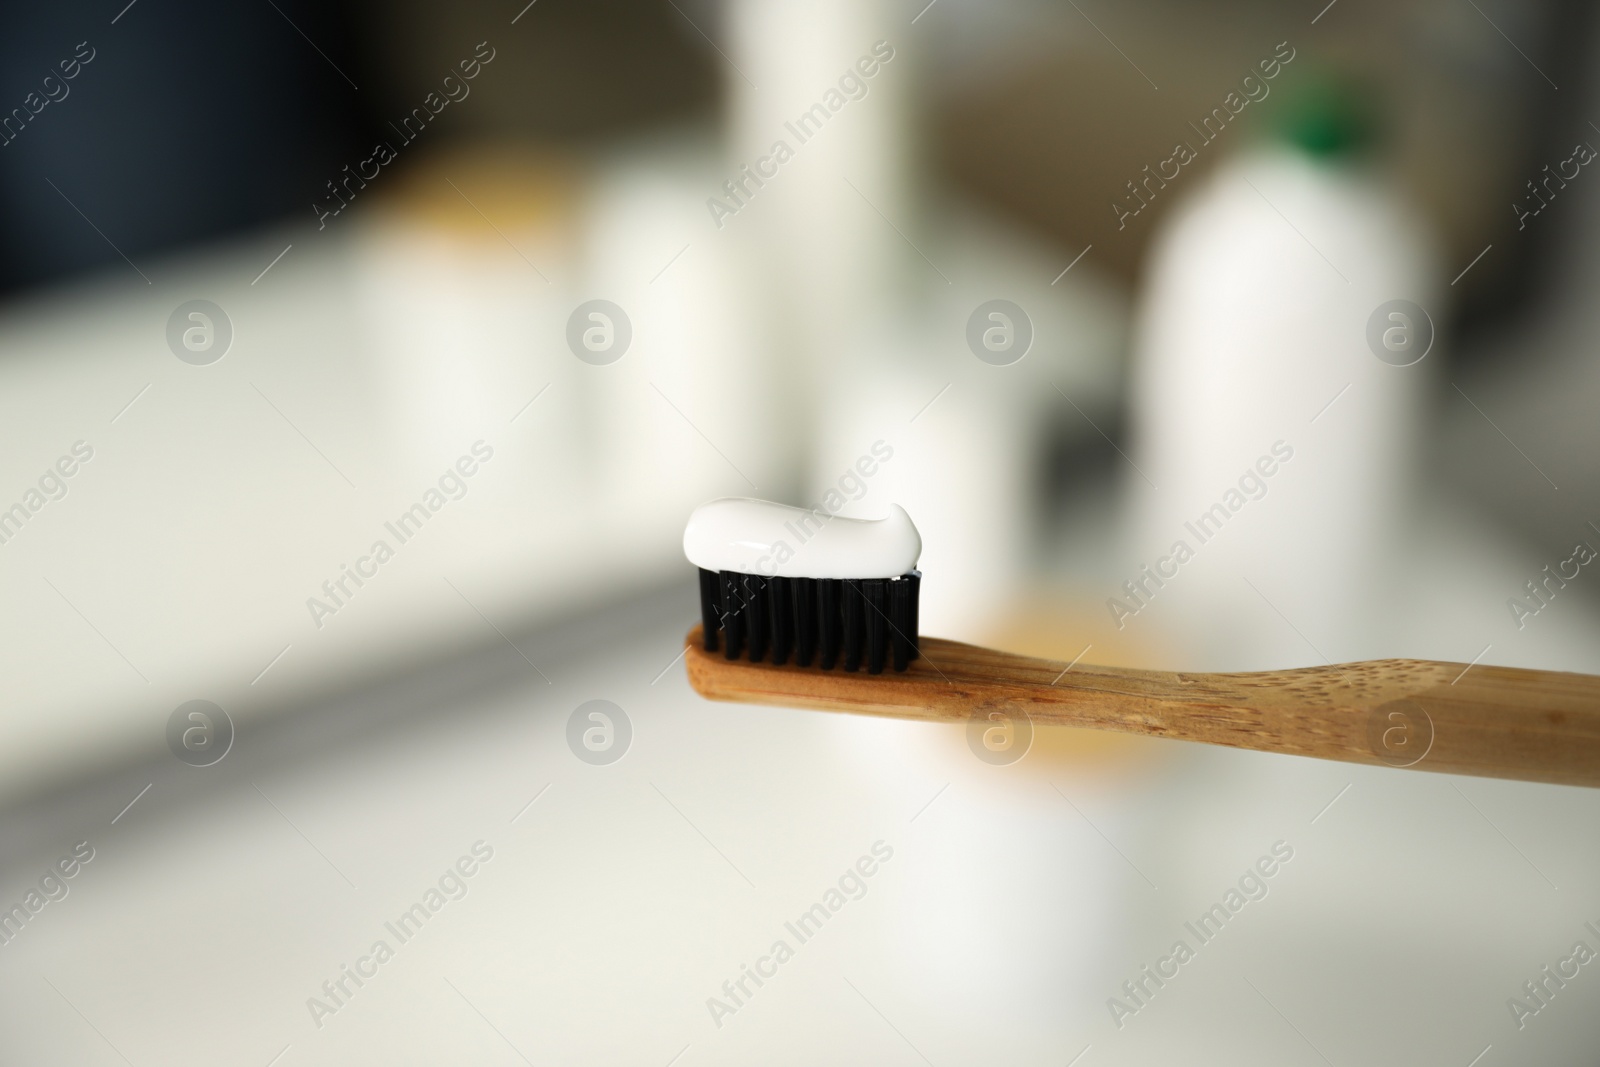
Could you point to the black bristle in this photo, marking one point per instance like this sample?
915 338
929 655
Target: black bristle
877 621
914 579
835 622
805 620
709 623
854 604
900 625
829 616
781 592
759 631
731 606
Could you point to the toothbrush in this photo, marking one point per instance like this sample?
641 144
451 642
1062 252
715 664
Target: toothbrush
795 603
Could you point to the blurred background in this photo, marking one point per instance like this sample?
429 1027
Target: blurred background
508 290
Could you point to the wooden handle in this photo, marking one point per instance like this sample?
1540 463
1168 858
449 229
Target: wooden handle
1495 722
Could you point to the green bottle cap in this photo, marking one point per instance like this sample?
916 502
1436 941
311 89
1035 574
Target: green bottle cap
1328 116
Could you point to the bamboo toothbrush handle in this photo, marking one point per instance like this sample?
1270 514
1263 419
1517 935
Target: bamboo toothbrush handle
1496 722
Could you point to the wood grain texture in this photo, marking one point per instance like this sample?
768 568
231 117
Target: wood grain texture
1496 722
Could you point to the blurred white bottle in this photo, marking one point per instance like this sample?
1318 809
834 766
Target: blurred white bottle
1251 342
829 266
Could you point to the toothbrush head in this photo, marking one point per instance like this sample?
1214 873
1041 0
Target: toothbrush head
778 582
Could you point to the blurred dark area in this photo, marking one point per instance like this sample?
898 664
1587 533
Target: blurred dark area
192 121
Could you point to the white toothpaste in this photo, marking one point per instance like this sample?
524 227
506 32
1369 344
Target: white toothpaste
759 537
